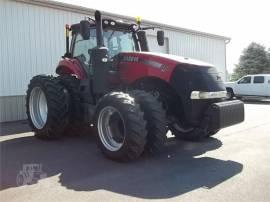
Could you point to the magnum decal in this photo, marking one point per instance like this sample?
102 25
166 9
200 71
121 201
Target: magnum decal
150 63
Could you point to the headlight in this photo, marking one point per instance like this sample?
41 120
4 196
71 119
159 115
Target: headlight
207 95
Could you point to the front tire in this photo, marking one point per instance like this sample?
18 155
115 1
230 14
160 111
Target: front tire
121 127
155 116
47 107
192 134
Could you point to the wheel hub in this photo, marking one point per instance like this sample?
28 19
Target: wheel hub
38 107
111 128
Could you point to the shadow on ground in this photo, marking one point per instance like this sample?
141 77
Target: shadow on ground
83 168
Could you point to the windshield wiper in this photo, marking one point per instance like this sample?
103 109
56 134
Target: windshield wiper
110 37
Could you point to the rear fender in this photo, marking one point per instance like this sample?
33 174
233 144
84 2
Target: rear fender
72 67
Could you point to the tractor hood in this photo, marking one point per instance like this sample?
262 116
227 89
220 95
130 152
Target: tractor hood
164 65
163 59
177 59
174 69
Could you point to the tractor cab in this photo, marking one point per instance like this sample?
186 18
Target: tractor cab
115 40
96 44
116 36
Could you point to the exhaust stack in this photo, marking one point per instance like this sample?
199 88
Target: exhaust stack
99 29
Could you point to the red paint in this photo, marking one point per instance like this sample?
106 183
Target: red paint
132 71
71 66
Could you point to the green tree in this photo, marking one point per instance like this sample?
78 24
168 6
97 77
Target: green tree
238 72
254 60
268 56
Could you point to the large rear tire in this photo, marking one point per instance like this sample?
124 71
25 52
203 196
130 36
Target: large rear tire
155 116
121 127
47 107
76 125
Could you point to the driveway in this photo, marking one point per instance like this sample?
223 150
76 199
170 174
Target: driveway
234 165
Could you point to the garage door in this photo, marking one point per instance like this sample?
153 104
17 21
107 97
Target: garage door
154 47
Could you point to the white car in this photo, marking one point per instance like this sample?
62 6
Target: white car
251 85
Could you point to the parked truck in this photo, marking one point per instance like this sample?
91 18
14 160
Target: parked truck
257 85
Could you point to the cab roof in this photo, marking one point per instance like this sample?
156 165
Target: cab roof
108 24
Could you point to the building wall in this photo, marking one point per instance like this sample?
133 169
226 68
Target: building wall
12 108
32 42
198 47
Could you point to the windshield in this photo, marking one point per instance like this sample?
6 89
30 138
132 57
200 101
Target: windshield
115 41
118 41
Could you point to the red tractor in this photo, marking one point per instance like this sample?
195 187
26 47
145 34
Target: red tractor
132 97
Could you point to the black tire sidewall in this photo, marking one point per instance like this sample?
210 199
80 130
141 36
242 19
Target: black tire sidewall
155 116
50 130
230 94
123 153
43 88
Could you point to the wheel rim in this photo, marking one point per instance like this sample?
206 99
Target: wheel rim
111 128
38 107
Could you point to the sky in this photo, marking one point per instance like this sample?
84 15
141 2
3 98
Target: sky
244 21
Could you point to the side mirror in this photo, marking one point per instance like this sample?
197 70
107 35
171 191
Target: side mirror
85 29
160 37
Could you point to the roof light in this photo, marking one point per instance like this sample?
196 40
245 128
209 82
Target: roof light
138 20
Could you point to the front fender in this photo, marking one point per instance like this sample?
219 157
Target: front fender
72 67
186 79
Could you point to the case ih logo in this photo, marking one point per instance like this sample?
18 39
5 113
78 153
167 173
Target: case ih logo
151 63
164 68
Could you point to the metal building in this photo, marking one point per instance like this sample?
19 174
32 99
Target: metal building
32 42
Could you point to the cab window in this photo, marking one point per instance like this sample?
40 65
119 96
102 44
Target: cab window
118 41
245 80
83 47
258 79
